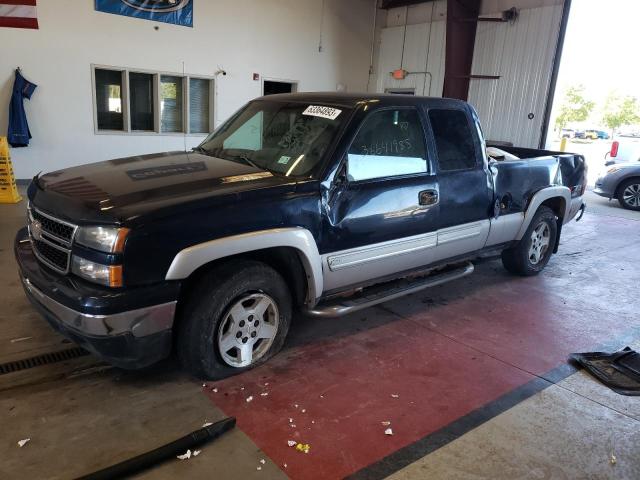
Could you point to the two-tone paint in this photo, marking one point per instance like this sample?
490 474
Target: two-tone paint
187 210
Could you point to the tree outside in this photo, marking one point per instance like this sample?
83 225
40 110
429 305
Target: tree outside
574 107
620 111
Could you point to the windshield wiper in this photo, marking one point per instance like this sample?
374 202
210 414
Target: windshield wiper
200 149
247 160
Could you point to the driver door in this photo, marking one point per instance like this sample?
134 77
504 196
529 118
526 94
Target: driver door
382 217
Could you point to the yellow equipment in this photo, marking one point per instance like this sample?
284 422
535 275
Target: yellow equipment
8 189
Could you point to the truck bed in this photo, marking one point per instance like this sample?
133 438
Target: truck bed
534 170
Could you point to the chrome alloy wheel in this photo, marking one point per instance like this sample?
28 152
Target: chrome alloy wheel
248 330
631 195
540 238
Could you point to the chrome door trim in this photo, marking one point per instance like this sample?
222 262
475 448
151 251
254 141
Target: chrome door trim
371 253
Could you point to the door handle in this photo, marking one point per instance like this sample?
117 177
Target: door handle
427 198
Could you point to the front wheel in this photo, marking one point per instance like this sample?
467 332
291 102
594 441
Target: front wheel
237 318
532 253
629 194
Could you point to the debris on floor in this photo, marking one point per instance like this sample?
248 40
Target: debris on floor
184 456
613 460
386 423
620 371
264 394
21 339
388 431
292 443
22 443
196 452
395 395
303 447
249 398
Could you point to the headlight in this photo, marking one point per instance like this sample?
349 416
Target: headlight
105 239
108 275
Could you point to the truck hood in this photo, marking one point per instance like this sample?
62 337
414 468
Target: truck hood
121 189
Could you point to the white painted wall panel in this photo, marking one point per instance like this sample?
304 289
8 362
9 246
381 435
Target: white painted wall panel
522 54
420 39
275 38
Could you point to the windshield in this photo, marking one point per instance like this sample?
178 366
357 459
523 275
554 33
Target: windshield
284 138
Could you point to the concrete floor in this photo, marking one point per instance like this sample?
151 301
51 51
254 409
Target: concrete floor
471 375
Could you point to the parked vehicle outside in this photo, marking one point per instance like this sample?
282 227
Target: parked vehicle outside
624 149
567 133
324 203
591 134
602 135
622 182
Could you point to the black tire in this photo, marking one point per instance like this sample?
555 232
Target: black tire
209 304
629 187
518 260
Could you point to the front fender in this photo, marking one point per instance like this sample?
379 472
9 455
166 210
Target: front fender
190 259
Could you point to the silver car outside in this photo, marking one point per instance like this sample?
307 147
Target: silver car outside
621 181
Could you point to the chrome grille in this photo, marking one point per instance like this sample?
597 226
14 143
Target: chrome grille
61 230
51 239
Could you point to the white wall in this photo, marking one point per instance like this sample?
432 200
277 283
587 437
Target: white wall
275 38
423 44
520 52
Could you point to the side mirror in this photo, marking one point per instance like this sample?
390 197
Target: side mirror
341 177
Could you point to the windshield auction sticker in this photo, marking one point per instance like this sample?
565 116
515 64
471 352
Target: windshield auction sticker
323 112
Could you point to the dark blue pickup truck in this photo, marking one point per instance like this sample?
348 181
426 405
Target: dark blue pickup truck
321 202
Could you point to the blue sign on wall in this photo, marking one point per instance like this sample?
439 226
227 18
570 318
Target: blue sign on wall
179 12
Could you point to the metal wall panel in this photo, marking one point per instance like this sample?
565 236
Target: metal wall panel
522 54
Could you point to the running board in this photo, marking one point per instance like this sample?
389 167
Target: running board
376 294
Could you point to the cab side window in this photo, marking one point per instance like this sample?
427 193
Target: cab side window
454 141
389 143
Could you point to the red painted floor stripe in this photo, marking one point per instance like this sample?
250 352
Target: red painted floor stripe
431 357
345 386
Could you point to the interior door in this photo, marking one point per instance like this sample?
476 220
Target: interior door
382 216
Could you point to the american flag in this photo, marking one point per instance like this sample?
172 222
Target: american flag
18 14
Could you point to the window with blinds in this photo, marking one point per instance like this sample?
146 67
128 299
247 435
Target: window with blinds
170 104
151 102
199 89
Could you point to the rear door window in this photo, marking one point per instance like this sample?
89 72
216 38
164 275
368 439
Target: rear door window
454 140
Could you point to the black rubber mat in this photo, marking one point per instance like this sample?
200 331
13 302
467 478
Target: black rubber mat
620 371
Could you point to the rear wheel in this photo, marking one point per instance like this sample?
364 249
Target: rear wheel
237 318
532 253
629 194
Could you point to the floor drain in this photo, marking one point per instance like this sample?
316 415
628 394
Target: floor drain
44 359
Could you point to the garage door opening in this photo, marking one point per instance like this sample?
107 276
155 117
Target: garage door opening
273 87
597 95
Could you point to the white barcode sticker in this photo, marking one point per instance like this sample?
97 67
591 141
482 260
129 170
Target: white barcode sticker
323 112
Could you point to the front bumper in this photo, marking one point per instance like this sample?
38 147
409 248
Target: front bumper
602 192
96 318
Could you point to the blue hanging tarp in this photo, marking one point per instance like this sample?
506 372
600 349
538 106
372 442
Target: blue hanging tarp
179 12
